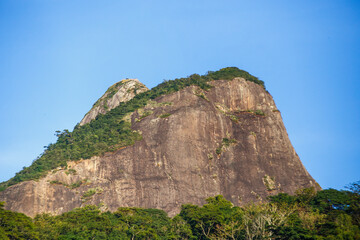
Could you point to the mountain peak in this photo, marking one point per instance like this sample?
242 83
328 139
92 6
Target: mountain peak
180 142
122 91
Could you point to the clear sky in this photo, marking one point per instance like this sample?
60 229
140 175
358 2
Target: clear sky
57 57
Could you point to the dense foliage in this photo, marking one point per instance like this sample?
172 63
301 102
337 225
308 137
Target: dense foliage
110 132
327 214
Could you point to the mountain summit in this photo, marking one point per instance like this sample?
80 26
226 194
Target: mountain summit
180 142
122 91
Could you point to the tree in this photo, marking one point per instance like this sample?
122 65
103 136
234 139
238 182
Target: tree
217 219
15 225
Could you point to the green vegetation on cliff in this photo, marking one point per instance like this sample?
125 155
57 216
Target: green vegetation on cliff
325 215
110 132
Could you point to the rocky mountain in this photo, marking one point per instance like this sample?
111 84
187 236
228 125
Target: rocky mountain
224 136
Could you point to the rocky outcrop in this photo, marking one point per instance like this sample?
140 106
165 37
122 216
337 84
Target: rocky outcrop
122 91
229 140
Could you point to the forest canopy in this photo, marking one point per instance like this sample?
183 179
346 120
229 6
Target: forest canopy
327 214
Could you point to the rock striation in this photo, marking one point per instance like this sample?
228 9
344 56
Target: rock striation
229 140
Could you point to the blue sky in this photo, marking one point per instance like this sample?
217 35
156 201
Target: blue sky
58 57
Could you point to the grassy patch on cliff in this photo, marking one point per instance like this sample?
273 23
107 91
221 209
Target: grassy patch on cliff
109 132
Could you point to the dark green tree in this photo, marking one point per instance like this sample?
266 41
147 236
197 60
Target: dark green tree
15 225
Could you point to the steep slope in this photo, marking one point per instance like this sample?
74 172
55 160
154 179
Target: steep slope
228 140
122 91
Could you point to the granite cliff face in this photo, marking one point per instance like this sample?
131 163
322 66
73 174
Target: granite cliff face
229 140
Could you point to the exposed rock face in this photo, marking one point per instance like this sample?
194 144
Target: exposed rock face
122 91
230 140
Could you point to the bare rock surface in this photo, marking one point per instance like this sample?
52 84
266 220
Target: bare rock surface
229 140
122 91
